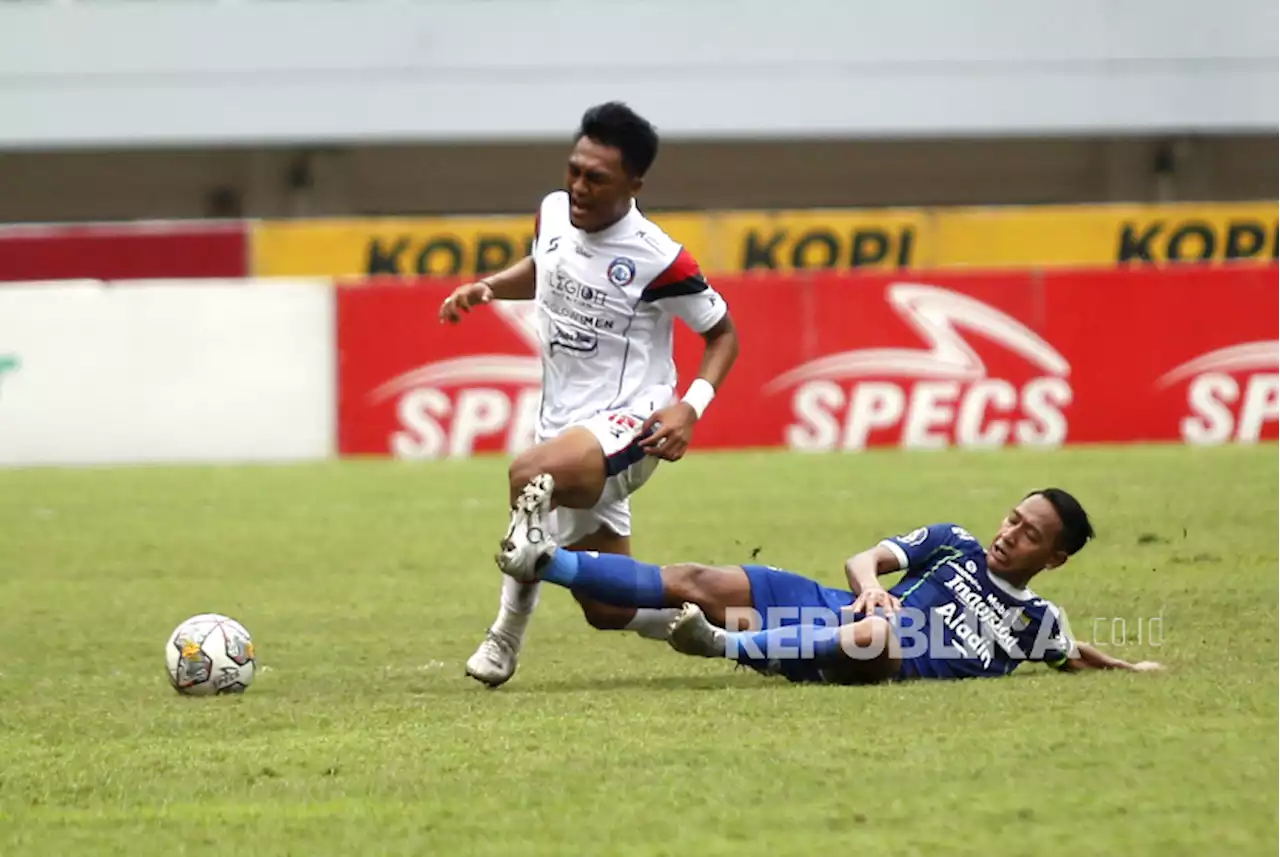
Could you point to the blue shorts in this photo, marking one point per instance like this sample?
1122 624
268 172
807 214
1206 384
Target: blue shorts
780 597
783 598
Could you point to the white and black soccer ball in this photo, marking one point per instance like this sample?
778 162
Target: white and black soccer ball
210 654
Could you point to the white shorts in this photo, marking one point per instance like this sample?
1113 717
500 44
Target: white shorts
626 469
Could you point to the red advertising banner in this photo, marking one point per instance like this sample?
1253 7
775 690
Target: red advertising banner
845 362
169 250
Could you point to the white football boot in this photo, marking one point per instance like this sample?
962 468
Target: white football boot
526 542
495 662
692 634
528 538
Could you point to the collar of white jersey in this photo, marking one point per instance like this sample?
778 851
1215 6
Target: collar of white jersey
613 230
1008 588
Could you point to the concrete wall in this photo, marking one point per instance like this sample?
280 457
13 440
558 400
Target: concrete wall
428 179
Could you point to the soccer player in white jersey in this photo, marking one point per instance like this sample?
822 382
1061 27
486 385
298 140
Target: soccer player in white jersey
608 284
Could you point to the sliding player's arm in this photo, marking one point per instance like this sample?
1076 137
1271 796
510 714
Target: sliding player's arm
516 283
864 569
1086 657
910 552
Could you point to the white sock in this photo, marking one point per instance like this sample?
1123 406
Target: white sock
518 602
651 622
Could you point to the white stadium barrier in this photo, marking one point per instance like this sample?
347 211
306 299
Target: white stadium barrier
166 372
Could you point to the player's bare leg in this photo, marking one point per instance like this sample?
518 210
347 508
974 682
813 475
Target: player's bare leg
574 460
649 622
576 469
607 581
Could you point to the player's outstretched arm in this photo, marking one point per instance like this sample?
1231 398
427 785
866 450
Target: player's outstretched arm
516 283
1089 658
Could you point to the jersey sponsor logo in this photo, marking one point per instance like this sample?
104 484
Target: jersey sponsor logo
622 271
915 538
576 314
936 396
1232 394
575 341
986 614
565 287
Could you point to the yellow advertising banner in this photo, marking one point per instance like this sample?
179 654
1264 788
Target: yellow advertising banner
819 239
1104 235
1021 237
453 246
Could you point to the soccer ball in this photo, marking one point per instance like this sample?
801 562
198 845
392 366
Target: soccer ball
209 654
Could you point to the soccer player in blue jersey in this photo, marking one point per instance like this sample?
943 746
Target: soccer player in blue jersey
961 610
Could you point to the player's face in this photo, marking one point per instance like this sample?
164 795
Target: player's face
600 190
1027 540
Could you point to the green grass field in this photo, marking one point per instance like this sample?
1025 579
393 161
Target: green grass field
367 584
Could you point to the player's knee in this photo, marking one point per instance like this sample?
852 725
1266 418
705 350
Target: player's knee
528 466
688 581
870 653
573 489
604 617
869 638
524 469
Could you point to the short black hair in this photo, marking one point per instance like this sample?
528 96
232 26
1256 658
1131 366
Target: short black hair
615 124
1076 528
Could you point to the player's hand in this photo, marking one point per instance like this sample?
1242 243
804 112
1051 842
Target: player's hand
1147 667
674 430
463 299
876 597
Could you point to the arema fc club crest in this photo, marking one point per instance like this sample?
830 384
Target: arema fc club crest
622 271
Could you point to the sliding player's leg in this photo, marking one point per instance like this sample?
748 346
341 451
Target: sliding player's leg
617 581
794 626
728 593
864 651
651 623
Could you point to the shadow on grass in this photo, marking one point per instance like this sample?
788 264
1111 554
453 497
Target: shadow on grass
665 682
533 687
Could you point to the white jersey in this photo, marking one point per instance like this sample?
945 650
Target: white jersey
605 305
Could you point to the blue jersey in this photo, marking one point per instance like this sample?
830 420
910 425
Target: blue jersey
961 621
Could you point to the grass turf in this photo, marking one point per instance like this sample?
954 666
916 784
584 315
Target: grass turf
367 584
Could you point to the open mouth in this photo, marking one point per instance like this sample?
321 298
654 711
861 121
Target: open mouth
998 551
